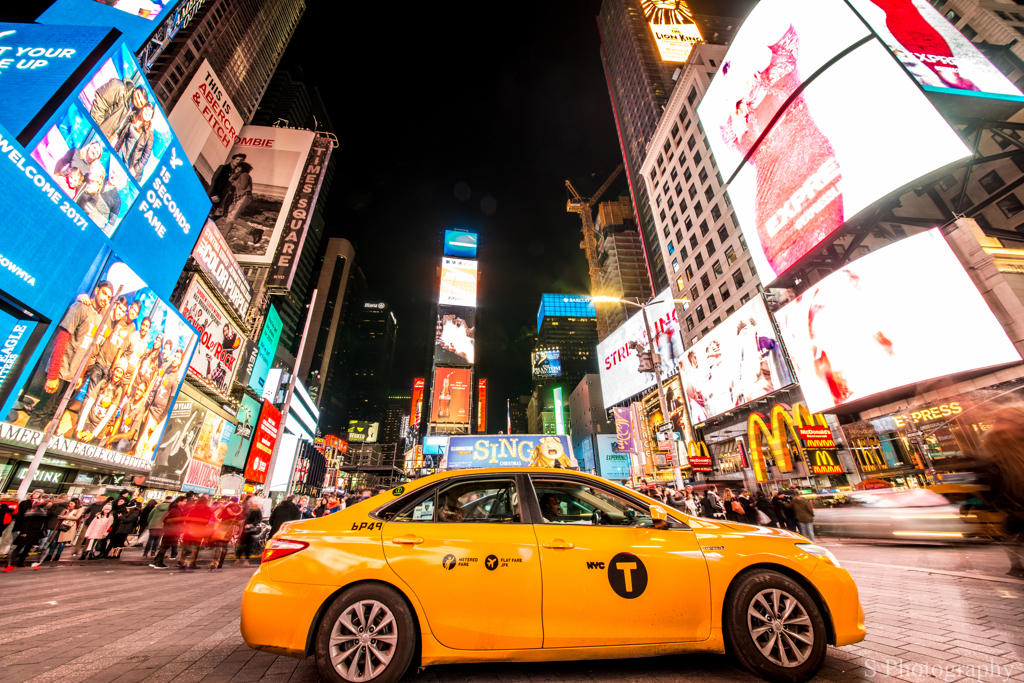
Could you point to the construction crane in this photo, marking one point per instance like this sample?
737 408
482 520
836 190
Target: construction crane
583 206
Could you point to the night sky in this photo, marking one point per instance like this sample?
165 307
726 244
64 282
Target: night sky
507 103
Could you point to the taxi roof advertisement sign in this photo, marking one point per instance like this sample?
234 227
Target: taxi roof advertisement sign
516 450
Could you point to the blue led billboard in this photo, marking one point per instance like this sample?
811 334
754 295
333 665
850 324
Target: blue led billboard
37 61
269 336
460 244
564 306
516 450
136 19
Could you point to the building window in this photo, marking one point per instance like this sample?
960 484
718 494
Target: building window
674 173
675 219
709 193
663 214
730 255
983 222
724 291
692 97
704 229
1000 140
665 231
675 130
952 16
1010 205
675 263
654 176
712 304
698 258
697 158
750 264
744 299
716 212
710 246
679 236
680 283
743 241
702 176
682 252
187 57
671 202
667 146
665 187
718 175
661 161
700 314
689 273
693 191
969 32
716 268
705 281
729 311
991 182
688 223
691 143
694 293
723 234
657 200
671 249
679 188
693 242
687 174
689 323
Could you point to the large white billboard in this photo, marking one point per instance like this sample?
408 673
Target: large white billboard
858 131
620 365
740 361
904 314
458 283
206 122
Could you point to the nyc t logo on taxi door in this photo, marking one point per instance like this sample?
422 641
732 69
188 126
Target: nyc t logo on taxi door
627 576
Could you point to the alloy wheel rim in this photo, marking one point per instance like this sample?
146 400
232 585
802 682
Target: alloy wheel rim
363 641
780 628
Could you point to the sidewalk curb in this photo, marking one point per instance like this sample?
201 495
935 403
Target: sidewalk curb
963 575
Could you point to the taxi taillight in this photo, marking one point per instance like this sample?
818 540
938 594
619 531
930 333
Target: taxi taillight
282 547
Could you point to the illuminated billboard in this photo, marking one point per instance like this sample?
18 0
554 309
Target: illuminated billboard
455 336
854 334
740 361
510 451
208 456
620 365
675 33
214 257
220 341
238 446
564 306
267 347
252 188
452 396
481 406
263 441
460 244
206 122
547 363
109 149
178 444
458 283
136 19
416 411
935 52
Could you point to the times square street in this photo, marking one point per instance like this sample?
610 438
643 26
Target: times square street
934 613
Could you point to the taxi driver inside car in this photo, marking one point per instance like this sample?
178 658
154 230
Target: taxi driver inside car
450 570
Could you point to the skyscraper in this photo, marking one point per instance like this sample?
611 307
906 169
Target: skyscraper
374 331
564 352
242 39
620 254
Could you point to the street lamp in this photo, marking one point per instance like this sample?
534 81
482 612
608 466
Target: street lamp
657 365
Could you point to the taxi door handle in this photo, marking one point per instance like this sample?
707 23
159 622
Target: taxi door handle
558 544
407 540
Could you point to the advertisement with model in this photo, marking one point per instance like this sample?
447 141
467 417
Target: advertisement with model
807 136
452 396
516 450
208 456
617 354
251 189
455 336
178 445
894 343
206 122
238 444
215 360
547 363
740 361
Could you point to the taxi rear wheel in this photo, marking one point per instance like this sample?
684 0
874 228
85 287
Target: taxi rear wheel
774 627
367 634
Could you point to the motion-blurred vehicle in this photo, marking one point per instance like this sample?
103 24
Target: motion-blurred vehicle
947 513
530 564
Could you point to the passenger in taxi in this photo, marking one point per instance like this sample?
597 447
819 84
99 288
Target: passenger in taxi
550 507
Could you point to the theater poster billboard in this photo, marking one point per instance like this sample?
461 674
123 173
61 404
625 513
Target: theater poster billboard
216 260
220 341
208 457
178 444
516 450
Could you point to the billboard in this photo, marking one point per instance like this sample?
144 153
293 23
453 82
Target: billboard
208 456
136 19
416 411
460 244
263 443
455 336
620 366
547 363
612 463
740 361
216 359
206 122
539 450
252 188
112 154
238 445
36 62
129 380
808 142
564 306
935 52
267 347
675 33
865 329
452 396
215 259
458 283
481 406
178 445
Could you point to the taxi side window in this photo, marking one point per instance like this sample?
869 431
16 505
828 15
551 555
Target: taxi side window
572 502
492 501
419 510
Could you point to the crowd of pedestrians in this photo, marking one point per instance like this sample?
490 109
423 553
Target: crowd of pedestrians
781 509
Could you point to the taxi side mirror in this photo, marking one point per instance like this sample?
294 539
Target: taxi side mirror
658 513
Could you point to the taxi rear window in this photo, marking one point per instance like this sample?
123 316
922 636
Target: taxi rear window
418 507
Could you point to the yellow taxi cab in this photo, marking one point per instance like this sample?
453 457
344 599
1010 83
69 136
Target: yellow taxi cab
528 564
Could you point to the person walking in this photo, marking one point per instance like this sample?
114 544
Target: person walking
804 513
764 506
155 523
286 511
32 526
126 525
250 528
779 508
734 511
91 511
173 520
144 515
691 503
1002 467
53 512
67 530
195 532
747 501
711 504
98 530
228 517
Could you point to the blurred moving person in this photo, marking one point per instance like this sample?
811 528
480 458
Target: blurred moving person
1002 464
802 509
250 530
155 522
195 531
286 511
31 527
228 517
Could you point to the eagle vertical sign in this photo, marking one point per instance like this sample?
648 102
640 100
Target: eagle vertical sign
282 269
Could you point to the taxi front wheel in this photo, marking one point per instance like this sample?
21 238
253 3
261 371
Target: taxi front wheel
774 627
367 634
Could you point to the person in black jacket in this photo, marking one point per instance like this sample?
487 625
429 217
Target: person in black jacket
250 529
711 506
286 511
764 505
31 527
126 524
